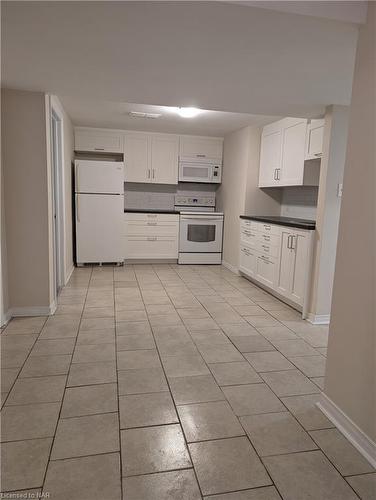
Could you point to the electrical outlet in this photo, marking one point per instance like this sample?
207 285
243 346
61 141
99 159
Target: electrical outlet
339 190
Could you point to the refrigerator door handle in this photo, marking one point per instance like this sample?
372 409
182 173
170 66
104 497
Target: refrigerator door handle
77 209
77 177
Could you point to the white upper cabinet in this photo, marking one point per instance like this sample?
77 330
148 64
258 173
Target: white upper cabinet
293 150
98 140
136 158
284 151
270 156
314 140
151 158
164 158
201 147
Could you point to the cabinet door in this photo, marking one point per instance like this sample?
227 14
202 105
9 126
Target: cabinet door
300 269
293 152
247 261
201 147
137 158
270 158
164 159
266 270
314 140
285 265
97 140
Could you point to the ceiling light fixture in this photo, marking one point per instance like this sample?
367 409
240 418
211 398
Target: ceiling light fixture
188 112
140 114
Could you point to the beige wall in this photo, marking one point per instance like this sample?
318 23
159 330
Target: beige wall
328 209
238 193
231 193
351 364
26 190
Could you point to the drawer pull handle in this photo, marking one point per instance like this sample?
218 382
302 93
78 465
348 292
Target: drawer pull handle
152 238
152 223
152 215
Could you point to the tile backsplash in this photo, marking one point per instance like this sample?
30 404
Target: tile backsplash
299 202
161 196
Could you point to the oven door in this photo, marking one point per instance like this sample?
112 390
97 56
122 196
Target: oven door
200 233
195 172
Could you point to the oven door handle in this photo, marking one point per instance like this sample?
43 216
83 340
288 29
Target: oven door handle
201 219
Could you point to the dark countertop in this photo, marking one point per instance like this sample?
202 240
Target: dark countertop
151 211
283 221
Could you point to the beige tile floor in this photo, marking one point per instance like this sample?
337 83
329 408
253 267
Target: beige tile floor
167 382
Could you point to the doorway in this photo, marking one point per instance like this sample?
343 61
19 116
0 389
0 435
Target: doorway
57 198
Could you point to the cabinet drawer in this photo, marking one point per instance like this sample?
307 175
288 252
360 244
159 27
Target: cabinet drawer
245 223
269 239
264 227
150 228
151 247
266 249
155 217
248 237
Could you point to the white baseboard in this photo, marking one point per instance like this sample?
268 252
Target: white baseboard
349 429
229 266
318 319
69 274
32 311
4 320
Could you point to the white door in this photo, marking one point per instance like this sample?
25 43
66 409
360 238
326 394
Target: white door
164 159
99 177
285 267
137 158
293 152
299 245
98 227
270 158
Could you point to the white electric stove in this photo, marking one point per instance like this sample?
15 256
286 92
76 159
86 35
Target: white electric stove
201 230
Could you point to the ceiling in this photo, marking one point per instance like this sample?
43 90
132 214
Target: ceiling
107 114
350 11
212 55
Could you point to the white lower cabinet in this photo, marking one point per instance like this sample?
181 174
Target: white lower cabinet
266 270
277 257
247 260
150 236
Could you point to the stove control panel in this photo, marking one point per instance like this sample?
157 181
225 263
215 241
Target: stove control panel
191 201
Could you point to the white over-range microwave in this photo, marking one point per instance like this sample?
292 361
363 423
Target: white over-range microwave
200 170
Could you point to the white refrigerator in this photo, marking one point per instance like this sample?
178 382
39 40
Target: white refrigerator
99 203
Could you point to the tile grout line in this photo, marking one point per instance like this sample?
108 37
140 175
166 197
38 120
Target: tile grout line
117 390
171 395
3 404
65 388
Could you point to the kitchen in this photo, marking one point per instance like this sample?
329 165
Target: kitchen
172 190
187 199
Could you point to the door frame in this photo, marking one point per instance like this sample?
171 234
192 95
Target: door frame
56 117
